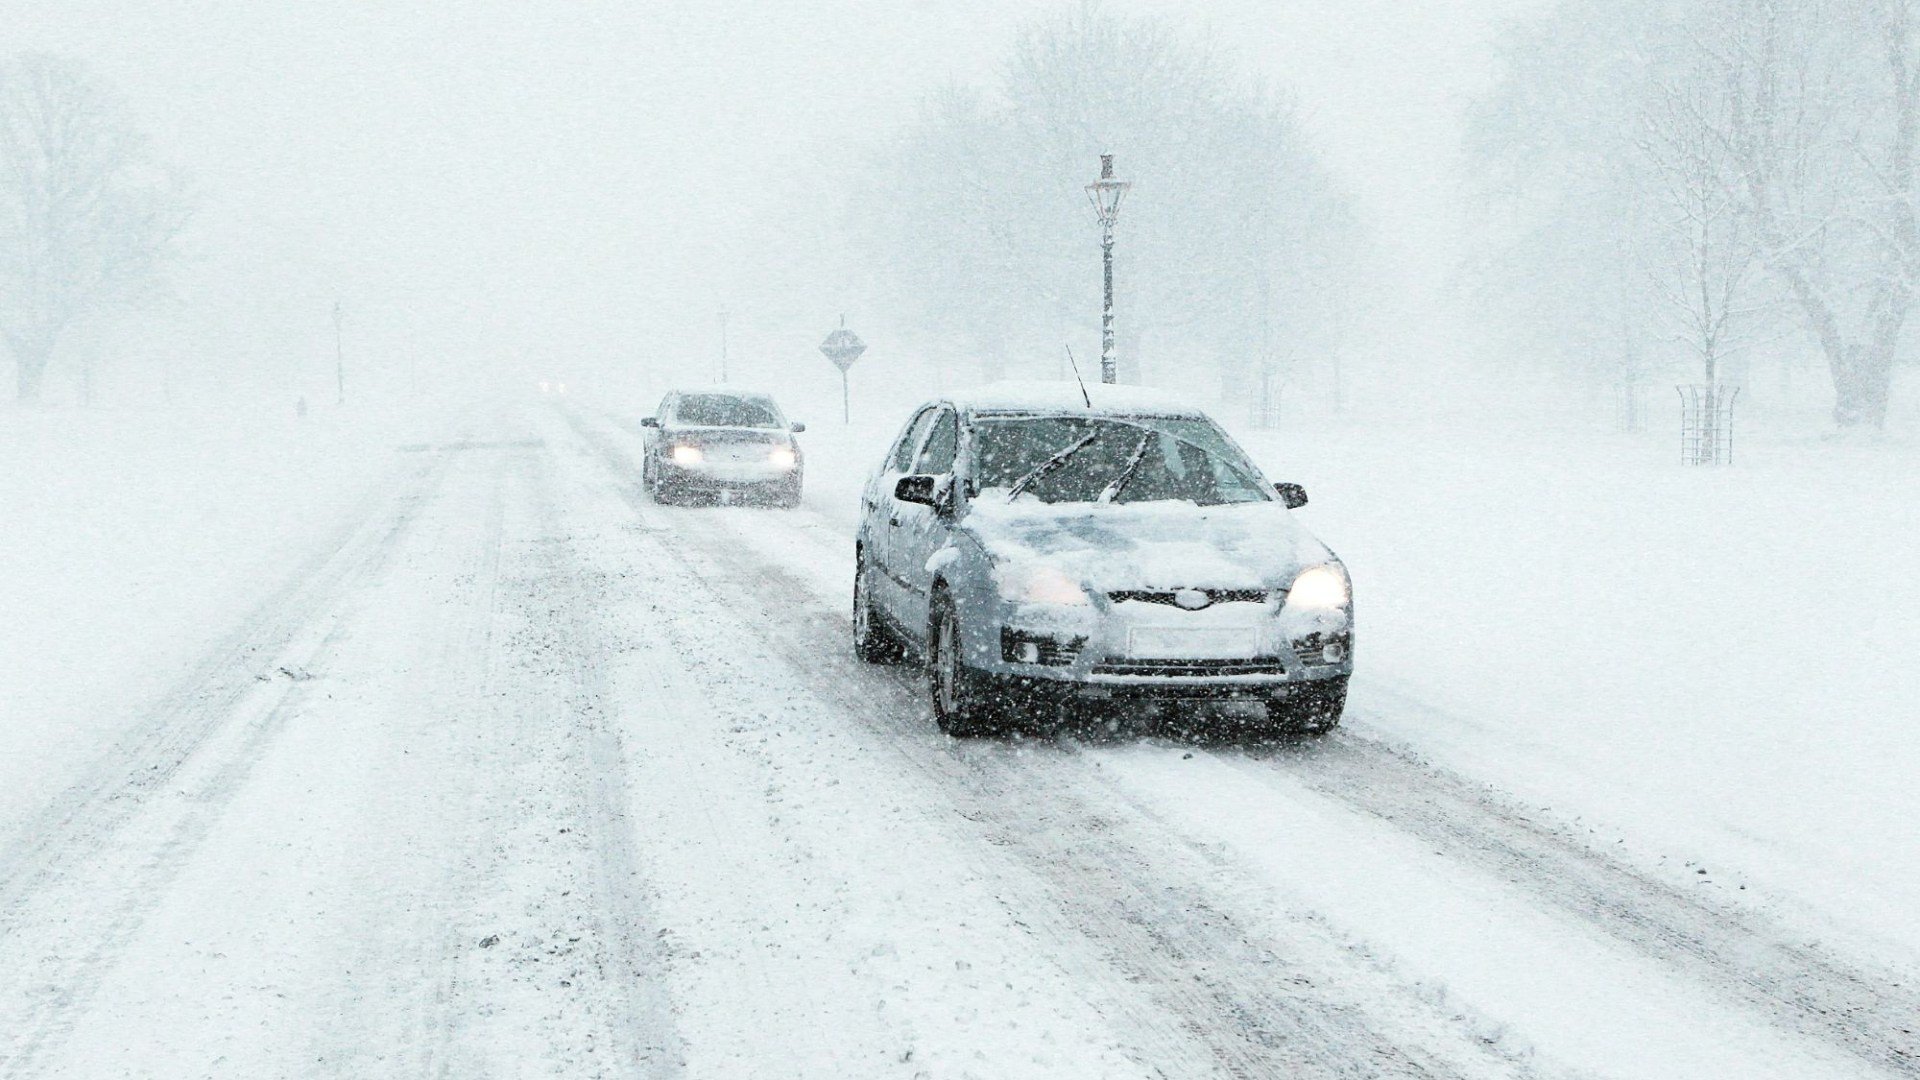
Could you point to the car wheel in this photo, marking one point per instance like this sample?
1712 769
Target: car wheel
873 642
1314 709
964 704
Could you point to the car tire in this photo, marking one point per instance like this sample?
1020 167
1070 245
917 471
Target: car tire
1313 709
965 702
873 641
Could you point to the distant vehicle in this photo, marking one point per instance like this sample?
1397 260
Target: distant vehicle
722 443
1035 550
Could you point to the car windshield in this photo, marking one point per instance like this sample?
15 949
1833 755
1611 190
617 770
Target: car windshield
1060 459
726 410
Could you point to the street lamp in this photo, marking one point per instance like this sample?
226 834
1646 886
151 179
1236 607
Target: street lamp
1105 194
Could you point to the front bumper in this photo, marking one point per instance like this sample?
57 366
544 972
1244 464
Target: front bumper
721 476
1089 656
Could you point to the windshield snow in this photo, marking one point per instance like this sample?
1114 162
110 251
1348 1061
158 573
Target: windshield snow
1058 459
726 410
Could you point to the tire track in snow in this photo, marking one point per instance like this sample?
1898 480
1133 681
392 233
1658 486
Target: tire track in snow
1870 1013
581 927
102 853
1296 1004
1873 1015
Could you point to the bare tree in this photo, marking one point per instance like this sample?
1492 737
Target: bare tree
85 220
1825 114
1807 110
1703 255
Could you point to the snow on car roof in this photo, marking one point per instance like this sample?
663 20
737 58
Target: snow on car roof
725 391
1021 396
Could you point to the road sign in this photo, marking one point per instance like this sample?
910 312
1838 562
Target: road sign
843 347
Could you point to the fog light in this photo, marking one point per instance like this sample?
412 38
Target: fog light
687 455
1029 652
1334 652
782 457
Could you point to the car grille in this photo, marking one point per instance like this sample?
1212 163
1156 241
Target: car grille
1214 596
1177 669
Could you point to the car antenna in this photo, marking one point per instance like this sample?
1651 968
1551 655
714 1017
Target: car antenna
1084 396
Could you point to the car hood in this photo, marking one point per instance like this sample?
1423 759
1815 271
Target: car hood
1151 545
720 436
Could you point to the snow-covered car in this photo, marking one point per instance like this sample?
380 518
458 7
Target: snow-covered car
722 443
1036 548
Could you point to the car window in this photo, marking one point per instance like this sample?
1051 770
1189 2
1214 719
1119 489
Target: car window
1093 459
909 440
937 456
666 408
726 410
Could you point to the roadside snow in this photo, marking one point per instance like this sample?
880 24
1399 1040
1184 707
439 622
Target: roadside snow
135 539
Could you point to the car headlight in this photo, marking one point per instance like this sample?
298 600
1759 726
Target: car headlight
782 457
1318 588
1041 585
687 455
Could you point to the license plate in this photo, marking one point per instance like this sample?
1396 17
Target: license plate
1191 642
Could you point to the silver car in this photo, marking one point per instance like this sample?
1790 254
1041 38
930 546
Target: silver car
719 444
1038 548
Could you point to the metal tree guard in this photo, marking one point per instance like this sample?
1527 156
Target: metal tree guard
843 347
1105 194
1706 423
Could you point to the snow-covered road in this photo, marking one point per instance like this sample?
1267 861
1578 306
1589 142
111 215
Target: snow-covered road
524 775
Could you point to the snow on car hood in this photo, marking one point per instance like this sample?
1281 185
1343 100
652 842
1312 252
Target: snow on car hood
1150 545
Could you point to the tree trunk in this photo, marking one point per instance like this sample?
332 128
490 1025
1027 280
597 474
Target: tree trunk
29 369
1862 380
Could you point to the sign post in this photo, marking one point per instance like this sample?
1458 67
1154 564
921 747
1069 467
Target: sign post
843 347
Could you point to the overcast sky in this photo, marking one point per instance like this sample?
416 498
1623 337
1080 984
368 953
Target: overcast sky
578 184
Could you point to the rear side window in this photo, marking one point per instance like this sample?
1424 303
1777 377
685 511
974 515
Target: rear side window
903 453
937 456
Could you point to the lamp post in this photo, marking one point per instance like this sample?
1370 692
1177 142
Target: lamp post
1105 194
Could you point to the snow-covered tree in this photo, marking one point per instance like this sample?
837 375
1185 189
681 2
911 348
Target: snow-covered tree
85 220
1687 138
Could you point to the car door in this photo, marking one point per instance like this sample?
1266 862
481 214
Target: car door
882 511
919 530
656 434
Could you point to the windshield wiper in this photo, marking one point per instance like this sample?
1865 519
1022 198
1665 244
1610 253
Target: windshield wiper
1049 465
1112 491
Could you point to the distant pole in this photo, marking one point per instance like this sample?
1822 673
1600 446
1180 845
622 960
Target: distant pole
1105 194
723 347
339 359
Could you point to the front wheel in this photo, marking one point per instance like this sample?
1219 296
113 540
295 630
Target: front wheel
965 704
1312 709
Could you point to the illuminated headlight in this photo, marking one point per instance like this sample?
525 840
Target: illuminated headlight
782 457
1318 588
688 455
1041 585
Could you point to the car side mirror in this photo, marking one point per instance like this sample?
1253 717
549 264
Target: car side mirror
915 489
1293 495
650 421
797 427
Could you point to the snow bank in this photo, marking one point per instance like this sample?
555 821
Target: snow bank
133 541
